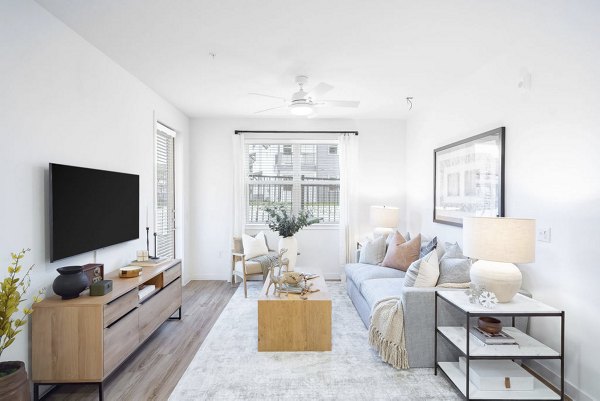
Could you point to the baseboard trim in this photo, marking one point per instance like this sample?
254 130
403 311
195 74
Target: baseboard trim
570 390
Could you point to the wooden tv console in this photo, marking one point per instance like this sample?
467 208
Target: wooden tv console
83 340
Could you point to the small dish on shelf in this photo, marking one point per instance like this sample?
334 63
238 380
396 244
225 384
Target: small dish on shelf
489 324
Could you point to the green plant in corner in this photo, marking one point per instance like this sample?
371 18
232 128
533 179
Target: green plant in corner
285 224
12 292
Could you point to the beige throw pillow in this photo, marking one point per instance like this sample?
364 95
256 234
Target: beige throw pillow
429 270
254 246
401 254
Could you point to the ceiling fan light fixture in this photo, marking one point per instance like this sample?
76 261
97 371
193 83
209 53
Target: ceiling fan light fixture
301 109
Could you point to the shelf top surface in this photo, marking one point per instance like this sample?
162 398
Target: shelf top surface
527 345
519 304
120 287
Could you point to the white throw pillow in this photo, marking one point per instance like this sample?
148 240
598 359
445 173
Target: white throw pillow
429 270
373 251
254 246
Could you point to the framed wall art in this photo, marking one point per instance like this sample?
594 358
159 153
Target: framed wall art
468 178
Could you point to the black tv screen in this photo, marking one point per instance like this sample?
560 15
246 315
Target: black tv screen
91 209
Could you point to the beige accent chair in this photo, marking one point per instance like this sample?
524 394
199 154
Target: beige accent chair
241 267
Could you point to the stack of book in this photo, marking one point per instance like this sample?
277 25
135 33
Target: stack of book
500 341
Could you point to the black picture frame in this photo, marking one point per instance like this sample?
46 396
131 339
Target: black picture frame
468 178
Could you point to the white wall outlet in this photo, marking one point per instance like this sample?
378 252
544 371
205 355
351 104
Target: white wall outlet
544 235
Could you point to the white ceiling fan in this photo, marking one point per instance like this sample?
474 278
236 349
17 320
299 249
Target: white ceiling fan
304 103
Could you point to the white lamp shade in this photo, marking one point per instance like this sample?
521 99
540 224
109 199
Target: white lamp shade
384 216
499 239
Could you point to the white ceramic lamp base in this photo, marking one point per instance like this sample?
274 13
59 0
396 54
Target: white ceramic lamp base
503 279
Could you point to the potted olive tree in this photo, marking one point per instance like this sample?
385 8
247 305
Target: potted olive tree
287 225
14 384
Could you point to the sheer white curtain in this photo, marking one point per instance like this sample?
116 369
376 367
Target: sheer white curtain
348 151
239 185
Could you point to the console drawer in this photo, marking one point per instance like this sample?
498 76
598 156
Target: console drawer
120 340
120 306
158 308
171 274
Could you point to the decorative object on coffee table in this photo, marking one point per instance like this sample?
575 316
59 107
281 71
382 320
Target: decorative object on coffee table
70 282
384 219
287 225
469 178
498 242
14 384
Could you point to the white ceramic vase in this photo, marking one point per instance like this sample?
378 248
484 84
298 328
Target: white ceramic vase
291 245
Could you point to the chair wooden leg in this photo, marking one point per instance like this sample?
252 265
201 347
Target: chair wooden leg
245 288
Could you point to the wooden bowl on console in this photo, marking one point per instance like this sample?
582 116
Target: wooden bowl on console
489 324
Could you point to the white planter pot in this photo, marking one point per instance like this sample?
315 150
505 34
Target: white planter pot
291 245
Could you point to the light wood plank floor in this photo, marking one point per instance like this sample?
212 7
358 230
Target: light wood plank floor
153 371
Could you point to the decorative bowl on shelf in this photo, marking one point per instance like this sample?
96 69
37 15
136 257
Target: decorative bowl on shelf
489 324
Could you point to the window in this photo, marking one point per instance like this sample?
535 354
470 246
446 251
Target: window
164 213
297 175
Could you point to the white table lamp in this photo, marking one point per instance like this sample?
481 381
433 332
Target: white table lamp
384 219
498 243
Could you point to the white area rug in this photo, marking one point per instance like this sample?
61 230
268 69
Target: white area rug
229 367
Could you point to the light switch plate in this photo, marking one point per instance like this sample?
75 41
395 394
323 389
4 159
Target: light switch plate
544 234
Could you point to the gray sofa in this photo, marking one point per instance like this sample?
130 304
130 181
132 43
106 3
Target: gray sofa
367 284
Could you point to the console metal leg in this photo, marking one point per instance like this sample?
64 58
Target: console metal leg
100 391
435 335
36 392
178 315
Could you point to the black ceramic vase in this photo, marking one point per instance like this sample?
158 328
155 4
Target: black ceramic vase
71 281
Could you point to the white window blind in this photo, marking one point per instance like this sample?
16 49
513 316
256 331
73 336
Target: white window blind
165 192
299 175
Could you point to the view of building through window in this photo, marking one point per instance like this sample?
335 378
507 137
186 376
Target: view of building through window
299 176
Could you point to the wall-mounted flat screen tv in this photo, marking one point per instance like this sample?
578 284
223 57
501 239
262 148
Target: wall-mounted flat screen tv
91 209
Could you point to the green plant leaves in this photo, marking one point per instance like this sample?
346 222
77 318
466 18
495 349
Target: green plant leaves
12 290
287 225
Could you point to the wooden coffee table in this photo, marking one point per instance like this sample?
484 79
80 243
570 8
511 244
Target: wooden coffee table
289 323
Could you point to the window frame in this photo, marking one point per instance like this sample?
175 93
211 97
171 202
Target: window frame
167 132
296 165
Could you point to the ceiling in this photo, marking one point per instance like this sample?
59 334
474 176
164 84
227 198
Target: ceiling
378 51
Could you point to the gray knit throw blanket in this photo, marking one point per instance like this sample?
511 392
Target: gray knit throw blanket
266 261
386 332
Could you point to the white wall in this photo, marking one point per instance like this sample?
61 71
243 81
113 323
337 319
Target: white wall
64 101
552 169
381 146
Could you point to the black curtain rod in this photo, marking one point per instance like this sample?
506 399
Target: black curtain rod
237 132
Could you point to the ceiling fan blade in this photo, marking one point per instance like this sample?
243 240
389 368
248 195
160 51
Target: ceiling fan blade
319 90
341 103
271 108
262 94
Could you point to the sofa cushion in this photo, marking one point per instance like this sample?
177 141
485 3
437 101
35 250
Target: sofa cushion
428 247
380 288
359 272
429 270
454 270
373 251
453 250
401 254
412 273
254 246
